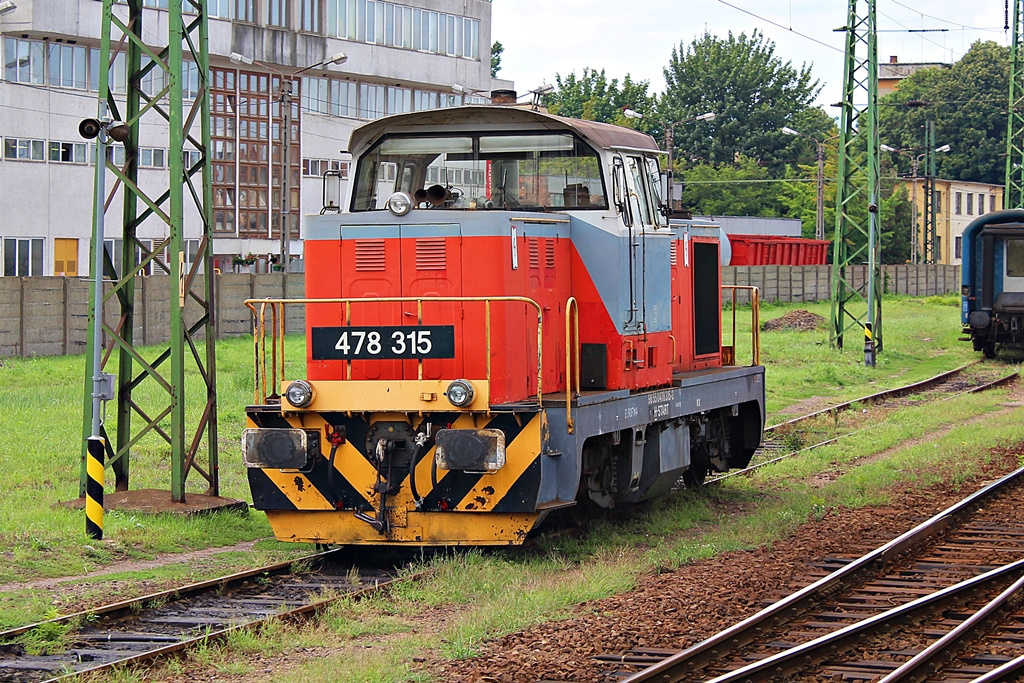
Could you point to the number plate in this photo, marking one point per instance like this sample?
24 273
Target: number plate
350 343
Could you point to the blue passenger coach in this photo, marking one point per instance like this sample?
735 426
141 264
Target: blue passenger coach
993 281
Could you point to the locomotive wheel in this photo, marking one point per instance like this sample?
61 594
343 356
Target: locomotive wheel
989 349
695 475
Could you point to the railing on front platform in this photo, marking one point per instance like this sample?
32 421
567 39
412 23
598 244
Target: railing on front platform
275 309
729 350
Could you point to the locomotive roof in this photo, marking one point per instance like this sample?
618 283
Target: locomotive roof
480 118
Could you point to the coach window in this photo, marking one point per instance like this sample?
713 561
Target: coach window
1014 258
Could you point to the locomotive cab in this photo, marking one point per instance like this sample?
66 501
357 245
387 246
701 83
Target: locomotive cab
499 325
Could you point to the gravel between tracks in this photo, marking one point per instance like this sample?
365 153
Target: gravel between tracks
680 608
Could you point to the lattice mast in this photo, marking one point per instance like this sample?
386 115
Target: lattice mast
856 293
151 391
1013 194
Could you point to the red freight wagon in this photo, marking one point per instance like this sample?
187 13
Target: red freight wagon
770 250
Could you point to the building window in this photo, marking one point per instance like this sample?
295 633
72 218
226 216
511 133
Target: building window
958 203
219 9
24 149
399 100
395 25
23 257
958 245
24 61
315 95
938 201
151 157
991 202
142 251
245 10
67 67
68 152
156 79
343 99
311 15
371 101
277 13
970 204
315 168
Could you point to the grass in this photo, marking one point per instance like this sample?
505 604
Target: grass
480 594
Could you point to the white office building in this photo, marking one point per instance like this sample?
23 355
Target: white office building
401 56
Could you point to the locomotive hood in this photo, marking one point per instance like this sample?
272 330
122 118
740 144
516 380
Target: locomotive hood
496 118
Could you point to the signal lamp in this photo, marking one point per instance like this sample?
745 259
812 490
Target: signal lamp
299 393
460 393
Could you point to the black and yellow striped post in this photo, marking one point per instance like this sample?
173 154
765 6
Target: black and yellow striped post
869 346
94 488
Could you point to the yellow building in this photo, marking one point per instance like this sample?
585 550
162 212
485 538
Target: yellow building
957 203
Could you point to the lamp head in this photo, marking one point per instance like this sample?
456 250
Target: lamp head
887 148
709 116
339 58
944 148
631 114
789 131
238 58
7 7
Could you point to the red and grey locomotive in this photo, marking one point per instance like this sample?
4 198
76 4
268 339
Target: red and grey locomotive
500 324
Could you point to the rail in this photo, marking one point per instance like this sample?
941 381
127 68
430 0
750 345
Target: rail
259 309
729 351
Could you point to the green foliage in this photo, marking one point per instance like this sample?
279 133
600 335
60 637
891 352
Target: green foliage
752 92
496 49
731 190
897 226
591 96
967 101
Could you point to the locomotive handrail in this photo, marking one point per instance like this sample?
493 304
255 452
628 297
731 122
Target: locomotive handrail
572 331
277 338
755 322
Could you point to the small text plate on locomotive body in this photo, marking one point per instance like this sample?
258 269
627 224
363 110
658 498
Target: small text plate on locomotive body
383 342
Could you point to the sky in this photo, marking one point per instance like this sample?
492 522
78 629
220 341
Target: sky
543 38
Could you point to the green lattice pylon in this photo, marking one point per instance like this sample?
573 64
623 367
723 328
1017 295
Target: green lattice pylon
856 288
151 393
1013 194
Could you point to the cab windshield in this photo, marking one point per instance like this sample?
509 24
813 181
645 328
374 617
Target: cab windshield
541 172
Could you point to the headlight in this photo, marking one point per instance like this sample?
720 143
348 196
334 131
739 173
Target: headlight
299 393
460 393
400 203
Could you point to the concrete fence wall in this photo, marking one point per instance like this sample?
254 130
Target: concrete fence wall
814 283
48 316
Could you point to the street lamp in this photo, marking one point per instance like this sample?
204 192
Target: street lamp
914 163
819 215
286 115
669 139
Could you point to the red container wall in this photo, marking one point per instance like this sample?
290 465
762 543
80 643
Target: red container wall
762 250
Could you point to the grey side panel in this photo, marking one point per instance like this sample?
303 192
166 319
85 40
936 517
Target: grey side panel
697 392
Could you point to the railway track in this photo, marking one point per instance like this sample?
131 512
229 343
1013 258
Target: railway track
173 620
940 602
826 426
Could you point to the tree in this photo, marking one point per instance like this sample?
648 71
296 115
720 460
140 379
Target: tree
496 49
593 97
967 101
741 188
896 230
752 92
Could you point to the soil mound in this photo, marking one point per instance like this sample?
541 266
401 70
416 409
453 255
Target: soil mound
795 320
